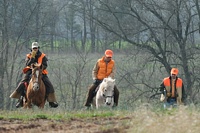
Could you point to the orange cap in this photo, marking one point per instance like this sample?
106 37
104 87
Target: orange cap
174 71
108 53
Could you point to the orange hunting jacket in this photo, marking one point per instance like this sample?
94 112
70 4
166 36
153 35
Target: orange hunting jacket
103 70
179 88
39 62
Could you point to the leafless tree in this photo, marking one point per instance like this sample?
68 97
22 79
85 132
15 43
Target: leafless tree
162 28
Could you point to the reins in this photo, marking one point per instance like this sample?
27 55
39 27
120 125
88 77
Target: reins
108 96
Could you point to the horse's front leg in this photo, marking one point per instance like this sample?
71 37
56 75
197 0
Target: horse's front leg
112 103
27 104
24 102
97 103
97 100
41 106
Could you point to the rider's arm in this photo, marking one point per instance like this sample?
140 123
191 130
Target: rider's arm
95 71
44 62
112 74
162 87
29 61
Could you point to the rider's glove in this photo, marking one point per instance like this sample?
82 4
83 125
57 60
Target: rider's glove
97 82
33 53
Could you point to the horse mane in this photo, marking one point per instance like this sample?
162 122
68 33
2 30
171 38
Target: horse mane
107 81
36 66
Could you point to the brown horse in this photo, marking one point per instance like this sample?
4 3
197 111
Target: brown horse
35 93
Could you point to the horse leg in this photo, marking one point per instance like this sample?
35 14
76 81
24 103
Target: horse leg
26 104
25 101
29 105
97 101
112 103
41 106
43 96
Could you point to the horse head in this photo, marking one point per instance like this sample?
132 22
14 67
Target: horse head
36 76
35 94
108 90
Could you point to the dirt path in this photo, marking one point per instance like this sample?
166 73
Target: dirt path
92 125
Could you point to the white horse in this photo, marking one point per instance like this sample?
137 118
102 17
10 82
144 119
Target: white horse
105 93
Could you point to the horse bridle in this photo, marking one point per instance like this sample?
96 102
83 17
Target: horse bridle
36 82
108 96
37 75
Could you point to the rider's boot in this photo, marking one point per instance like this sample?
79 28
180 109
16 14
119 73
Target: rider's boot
19 94
18 91
20 102
51 98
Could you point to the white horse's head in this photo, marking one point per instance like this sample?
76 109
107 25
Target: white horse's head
108 90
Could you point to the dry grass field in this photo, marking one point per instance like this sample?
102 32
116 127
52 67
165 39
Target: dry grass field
142 120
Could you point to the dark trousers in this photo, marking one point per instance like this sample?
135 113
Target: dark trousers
92 93
21 86
116 95
48 84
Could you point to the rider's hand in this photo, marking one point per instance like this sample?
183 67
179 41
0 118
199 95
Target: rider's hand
33 53
97 81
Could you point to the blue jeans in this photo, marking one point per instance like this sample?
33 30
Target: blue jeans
170 102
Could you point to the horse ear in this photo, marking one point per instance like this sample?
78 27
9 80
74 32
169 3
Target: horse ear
104 80
114 81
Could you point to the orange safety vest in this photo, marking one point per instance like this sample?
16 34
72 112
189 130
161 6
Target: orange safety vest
178 85
39 62
104 69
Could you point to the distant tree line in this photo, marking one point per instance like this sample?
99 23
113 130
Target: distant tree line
166 30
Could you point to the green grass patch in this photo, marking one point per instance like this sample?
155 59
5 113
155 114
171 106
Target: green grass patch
41 116
27 115
87 114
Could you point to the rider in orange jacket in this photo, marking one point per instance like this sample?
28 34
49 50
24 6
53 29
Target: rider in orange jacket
104 67
35 57
173 89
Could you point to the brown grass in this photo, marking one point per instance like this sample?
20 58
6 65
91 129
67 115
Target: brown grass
179 120
145 119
